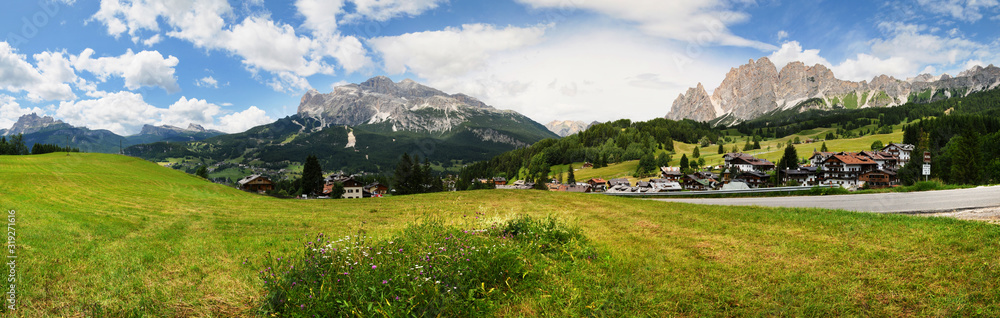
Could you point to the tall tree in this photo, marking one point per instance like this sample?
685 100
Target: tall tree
312 175
402 176
664 159
684 162
966 161
201 172
790 160
696 153
721 149
571 178
823 148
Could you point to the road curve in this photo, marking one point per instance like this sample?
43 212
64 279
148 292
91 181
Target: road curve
914 202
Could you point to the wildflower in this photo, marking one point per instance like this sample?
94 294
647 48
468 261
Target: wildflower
373 266
384 282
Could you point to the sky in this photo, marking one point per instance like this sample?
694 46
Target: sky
233 65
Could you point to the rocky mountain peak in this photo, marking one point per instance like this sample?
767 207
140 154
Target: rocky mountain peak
405 105
565 128
32 123
756 88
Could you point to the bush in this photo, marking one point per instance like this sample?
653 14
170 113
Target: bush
927 186
828 191
429 270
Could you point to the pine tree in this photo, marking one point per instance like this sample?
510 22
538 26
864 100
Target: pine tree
571 178
756 145
312 175
663 160
684 162
721 149
823 148
403 174
201 172
697 153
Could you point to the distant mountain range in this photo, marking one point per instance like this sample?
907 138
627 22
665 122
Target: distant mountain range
367 127
47 130
565 128
758 88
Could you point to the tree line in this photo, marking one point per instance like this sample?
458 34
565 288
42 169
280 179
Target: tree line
15 147
965 149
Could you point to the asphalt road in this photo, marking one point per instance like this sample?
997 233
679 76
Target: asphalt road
913 202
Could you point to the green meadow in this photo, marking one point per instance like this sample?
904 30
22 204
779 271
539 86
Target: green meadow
112 236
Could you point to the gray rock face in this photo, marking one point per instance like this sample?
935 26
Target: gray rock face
565 128
32 123
695 104
757 88
407 105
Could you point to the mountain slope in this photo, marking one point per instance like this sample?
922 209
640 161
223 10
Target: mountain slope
386 119
758 88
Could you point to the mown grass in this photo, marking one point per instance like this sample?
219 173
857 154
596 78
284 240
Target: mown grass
104 235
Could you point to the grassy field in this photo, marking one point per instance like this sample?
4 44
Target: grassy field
104 235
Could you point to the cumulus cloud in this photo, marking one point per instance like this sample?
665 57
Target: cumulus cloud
125 113
207 82
261 43
242 121
701 22
453 51
10 111
47 82
147 68
792 52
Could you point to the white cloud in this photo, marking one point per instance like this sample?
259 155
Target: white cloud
44 83
148 68
699 22
261 43
792 52
782 35
207 82
241 121
453 51
622 75
273 47
10 111
288 82
153 40
125 113
965 10
382 10
321 15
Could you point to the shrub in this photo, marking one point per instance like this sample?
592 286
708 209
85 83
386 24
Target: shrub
428 270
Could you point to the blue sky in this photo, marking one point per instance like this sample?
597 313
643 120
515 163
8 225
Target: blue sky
228 65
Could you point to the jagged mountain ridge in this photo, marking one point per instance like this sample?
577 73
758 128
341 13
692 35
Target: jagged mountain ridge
406 106
757 88
565 128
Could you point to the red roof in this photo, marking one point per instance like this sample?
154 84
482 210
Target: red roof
852 159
